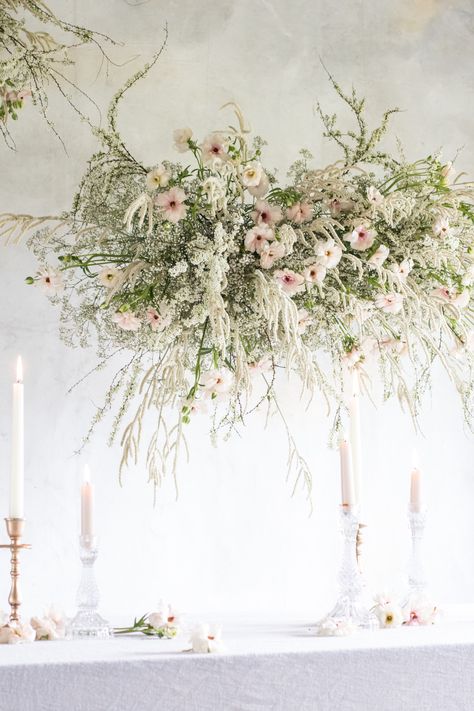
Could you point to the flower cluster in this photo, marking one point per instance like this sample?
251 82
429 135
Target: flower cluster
214 275
418 610
51 626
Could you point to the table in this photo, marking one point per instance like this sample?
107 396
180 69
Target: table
267 666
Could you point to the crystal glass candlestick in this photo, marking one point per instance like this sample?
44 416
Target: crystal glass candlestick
88 623
416 573
350 607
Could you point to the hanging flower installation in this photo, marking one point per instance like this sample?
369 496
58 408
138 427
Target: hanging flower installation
32 61
212 275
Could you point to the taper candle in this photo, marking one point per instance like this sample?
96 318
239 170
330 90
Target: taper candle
18 433
347 477
87 504
415 490
354 412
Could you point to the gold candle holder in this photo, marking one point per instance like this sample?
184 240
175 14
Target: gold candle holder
15 528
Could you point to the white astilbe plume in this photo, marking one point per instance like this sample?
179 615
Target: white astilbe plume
144 206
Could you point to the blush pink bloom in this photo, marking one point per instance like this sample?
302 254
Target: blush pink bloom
361 238
396 346
172 204
257 239
304 320
441 227
214 148
127 321
266 214
379 256
403 269
300 212
451 296
156 320
261 189
391 303
50 281
217 382
420 611
181 137
339 207
329 253
264 365
290 282
315 274
271 252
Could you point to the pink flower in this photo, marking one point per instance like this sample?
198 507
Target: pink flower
361 238
262 188
214 148
338 207
270 253
315 274
441 227
258 238
451 296
420 611
304 320
157 322
353 357
396 346
391 303
266 213
374 196
217 382
329 253
264 365
300 212
403 269
127 320
379 256
172 204
290 282
50 281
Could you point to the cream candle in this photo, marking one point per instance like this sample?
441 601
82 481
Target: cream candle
348 497
354 413
415 490
16 509
87 504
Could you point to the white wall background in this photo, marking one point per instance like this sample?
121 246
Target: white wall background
234 540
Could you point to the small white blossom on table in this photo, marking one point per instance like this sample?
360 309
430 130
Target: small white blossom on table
206 639
333 627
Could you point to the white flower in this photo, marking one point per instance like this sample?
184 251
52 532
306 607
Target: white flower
50 281
127 320
420 611
109 277
304 320
389 615
448 172
290 282
257 238
329 253
374 196
252 175
206 639
334 627
379 256
216 192
396 346
261 189
181 137
196 407
17 633
217 382
402 270
264 365
271 252
47 628
441 227
179 268
361 238
338 207
391 303
159 177
452 296
315 274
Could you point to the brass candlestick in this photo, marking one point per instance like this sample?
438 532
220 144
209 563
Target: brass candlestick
15 528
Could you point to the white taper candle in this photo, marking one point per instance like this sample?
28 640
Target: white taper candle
17 476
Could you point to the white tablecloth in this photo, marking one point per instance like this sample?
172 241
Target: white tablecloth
266 667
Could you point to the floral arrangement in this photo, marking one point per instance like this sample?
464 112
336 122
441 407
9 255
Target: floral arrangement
31 61
164 623
51 626
210 276
417 610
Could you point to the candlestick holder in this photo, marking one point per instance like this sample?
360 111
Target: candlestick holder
15 528
88 623
350 607
416 574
